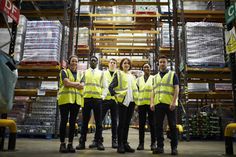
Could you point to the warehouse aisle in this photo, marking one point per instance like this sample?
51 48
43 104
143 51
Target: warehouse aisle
49 148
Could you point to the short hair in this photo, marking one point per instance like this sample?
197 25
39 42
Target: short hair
93 57
113 59
121 62
147 64
162 57
72 56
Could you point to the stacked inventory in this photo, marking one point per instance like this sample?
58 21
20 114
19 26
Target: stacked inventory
165 36
19 110
198 87
42 42
20 38
19 44
41 119
203 125
146 8
205 44
210 5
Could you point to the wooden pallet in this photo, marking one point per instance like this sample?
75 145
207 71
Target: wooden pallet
39 63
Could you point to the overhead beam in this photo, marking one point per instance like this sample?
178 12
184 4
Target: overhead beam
125 47
125 15
122 37
124 31
123 3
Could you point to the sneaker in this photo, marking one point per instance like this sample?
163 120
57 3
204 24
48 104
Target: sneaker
63 148
121 149
114 143
140 146
100 146
93 145
158 150
174 151
153 146
128 148
80 146
70 148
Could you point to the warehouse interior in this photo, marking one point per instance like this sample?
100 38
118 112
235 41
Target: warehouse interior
194 34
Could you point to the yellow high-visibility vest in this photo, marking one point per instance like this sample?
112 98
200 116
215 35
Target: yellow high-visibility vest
109 79
145 90
69 94
93 84
122 87
164 88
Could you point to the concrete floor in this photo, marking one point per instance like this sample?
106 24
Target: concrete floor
26 147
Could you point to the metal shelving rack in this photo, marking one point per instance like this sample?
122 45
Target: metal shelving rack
200 75
45 10
108 28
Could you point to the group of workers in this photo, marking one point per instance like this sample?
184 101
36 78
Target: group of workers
119 91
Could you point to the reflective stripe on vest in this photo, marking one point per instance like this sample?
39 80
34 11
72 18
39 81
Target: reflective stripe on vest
122 87
163 88
93 84
69 94
145 90
109 79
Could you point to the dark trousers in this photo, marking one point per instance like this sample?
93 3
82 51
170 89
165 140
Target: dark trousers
160 111
143 110
125 115
96 106
112 106
65 109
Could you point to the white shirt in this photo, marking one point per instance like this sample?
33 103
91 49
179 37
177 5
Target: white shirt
129 96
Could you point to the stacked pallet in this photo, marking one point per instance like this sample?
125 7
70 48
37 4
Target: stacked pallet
210 5
165 35
20 37
198 87
19 110
42 42
203 125
41 118
205 44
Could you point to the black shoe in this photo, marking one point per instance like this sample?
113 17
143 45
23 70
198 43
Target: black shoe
70 148
94 144
80 146
158 150
140 146
121 149
63 148
174 151
114 143
100 146
128 148
153 146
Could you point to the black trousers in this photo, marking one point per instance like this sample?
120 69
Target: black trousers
65 109
143 110
112 106
125 115
160 111
96 106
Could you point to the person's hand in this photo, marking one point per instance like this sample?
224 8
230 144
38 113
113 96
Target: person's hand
172 106
80 86
152 107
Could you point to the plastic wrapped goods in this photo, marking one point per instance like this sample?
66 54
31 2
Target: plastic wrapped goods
42 42
205 44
